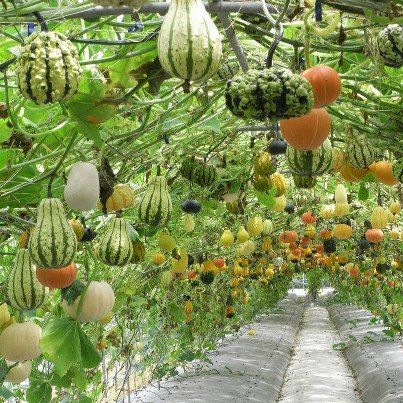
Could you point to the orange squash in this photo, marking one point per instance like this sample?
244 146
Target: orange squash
326 84
325 233
351 174
384 173
308 218
308 132
57 278
288 236
374 235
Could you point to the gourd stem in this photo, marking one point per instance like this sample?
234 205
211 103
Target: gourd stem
41 21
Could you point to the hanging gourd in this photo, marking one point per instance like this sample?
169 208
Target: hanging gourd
338 159
191 206
341 209
189 44
340 194
342 231
115 248
139 251
188 223
395 207
20 342
227 238
304 181
374 235
359 151
24 291
308 218
288 237
384 173
52 243
156 205
197 171
57 278
98 300
178 266
327 211
268 94
255 226
267 227
279 203
310 163
277 147
242 235
18 372
82 188
47 68
122 198
390 45
227 69
278 180
351 174
307 132
326 84
379 218
166 242
263 165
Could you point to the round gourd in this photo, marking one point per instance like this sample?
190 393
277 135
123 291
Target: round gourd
379 218
156 204
255 226
384 173
121 198
390 45
115 248
191 206
374 235
166 242
307 132
24 291
326 84
99 299
268 94
20 342
158 258
359 152
310 163
288 236
47 68
277 147
308 218
189 44
263 165
82 188
228 69
57 278
52 243
18 373
342 231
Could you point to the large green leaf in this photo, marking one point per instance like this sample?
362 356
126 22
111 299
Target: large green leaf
65 344
5 131
39 392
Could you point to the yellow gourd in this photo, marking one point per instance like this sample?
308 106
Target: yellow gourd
158 258
242 235
279 203
395 208
189 223
340 194
342 231
379 218
166 242
179 266
227 238
121 198
278 180
255 226
4 313
327 211
341 209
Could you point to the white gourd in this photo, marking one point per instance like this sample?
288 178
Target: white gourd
20 342
267 227
82 188
340 194
18 373
99 299
189 44
189 223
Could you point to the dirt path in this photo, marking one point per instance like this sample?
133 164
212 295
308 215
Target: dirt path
317 372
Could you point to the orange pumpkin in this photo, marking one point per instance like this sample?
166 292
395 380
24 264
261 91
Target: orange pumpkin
292 245
354 271
325 82
384 173
374 235
352 174
219 262
288 236
57 278
308 218
325 233
308 132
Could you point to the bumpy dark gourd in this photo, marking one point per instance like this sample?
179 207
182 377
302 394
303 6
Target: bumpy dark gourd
269 94
277 147
390 44
47 68
198 171
228 69
191 206
329 245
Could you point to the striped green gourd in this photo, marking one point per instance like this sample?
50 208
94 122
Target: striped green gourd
47 68
198 171
304 182
359 152
53 243
115 247
189 44
24 291
310 163
156 205
398 170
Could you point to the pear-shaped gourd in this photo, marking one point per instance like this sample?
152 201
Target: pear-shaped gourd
115 247
255 226
156 205
188 223
82 188
267 227
53 243
242 235
227 238
340 194
189 44
24 291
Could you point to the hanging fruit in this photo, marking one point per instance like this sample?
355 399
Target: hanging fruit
255 226
242 235
340 194
82 188
188 223
121 198
166 242
390 45
374 235
379 218
278 180
267 227
263 165
57 278
227 238
191 206
384 173
52 243
277 147
279 203
342 231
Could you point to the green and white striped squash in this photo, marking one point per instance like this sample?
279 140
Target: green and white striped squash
47 68
304 182
189 44
310 163
360 153
24 291
115 248
156 205
53 243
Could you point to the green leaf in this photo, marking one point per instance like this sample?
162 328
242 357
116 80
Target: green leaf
5 131
363 192
65 344
213 124
39 392
71 293
267 198
5 393
177 312
3 370
62 381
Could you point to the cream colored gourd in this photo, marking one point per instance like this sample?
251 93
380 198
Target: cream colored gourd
82 188
20 342
379 218
227 238
341 209
267 227
189 44
279 203
99 299
242 235
18 373
188 223
255 226
327 211
340 194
